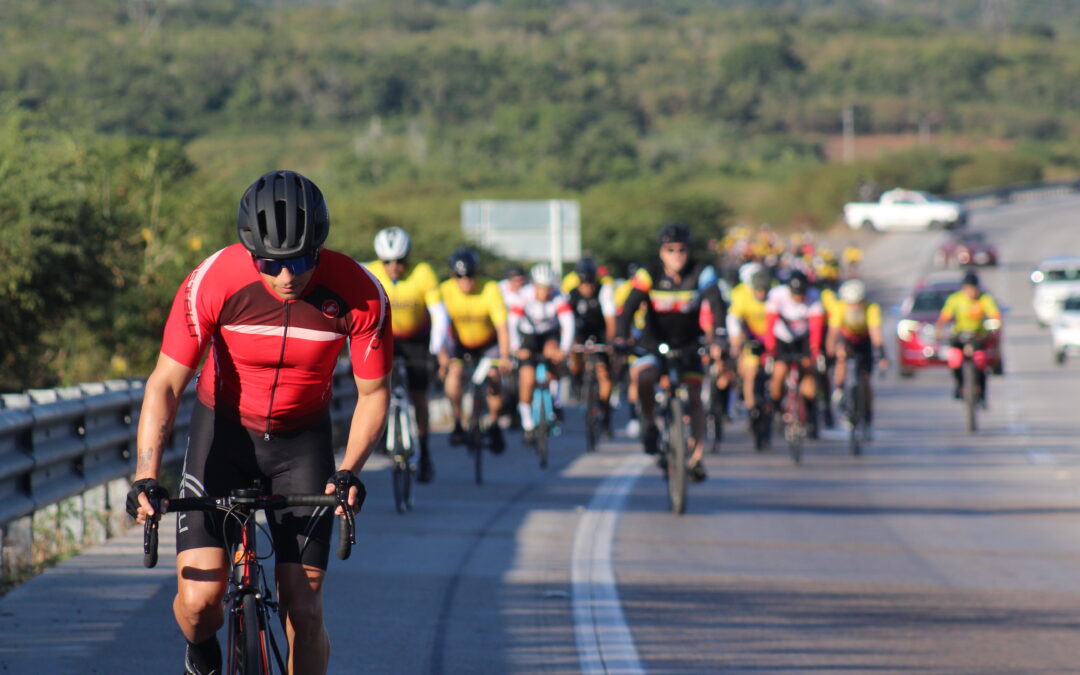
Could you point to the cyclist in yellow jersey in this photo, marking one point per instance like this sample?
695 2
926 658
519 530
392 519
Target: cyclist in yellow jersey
855 332
407 288
972 312
746 327
469 317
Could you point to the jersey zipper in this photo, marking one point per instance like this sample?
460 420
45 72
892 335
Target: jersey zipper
277 371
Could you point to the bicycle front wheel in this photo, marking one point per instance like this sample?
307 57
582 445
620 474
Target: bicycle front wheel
796 430
476 433
970 395
593 418
253 659
677 454
855 416
543 430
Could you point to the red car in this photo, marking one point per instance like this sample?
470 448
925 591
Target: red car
917 345
966 248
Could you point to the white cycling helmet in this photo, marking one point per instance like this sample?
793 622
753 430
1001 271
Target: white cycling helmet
852 291
747 271
542 275
392 244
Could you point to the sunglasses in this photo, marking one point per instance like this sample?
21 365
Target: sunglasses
673 249
399 261
297 265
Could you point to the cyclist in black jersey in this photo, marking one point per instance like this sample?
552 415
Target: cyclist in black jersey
593 304
683 306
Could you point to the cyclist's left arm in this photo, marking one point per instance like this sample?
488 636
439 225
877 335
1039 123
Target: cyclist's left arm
566 325
990 306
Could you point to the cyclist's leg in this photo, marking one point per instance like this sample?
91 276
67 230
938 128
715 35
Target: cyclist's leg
553 354
454 388
646 371
956 363
526 384
201 581
840 369
748 369
300 462
300 593
779 374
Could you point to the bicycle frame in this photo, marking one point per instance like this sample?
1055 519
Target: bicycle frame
591 391
401 432
248 599
794 410
476 374
673 404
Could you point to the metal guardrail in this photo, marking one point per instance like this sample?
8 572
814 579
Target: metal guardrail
58 443
1013 193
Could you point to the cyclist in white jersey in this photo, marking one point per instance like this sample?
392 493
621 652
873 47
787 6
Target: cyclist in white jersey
794 331
541 322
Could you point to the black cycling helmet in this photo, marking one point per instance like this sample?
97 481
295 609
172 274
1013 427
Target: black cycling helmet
464 262
674 233
282 215
798 283
587 270
512 270
970 279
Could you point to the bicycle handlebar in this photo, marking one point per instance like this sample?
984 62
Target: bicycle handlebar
346 528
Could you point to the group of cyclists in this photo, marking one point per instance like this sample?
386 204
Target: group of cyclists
271 313
785 304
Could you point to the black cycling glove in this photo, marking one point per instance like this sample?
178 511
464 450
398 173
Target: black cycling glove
143 485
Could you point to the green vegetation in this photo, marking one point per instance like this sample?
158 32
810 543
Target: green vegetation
129 128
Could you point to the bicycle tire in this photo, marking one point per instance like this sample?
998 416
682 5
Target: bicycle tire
400 477
253 656
970 399
476 434
795 430
400 473
543 428
855 414
677 451
592 403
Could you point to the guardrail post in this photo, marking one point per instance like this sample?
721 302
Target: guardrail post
16 546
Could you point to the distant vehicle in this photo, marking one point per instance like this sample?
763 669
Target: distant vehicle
901 209
1055 280
966 248
1066 330
918 345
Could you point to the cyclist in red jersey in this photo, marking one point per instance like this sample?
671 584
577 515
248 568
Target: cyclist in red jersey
277 308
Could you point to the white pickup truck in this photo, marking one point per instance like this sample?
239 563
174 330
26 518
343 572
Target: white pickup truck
901 209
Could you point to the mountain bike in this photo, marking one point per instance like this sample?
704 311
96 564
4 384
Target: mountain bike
476 374
252 647
402 433
595 418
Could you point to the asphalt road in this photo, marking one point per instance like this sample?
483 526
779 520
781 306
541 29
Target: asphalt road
936 551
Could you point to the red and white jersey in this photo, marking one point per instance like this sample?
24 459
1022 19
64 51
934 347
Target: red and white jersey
530 316
793 320
272 362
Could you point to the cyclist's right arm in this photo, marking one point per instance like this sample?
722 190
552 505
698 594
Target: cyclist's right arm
161 399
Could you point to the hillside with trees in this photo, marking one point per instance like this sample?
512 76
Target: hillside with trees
129 128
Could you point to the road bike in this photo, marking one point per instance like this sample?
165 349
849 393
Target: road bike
794 415
402 434
857 405
476 431
973 395
673 418
715 403
596 419
543 412
761 413
252 647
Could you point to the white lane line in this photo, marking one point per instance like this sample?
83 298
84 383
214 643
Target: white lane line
604 642
1041 458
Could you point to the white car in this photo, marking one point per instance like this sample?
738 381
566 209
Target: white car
1066 330
1055 280
901 209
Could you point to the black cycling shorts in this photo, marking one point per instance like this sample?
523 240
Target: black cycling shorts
222 455
797 350
862 351
534 342
417 361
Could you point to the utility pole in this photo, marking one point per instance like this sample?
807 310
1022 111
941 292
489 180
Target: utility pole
847 118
